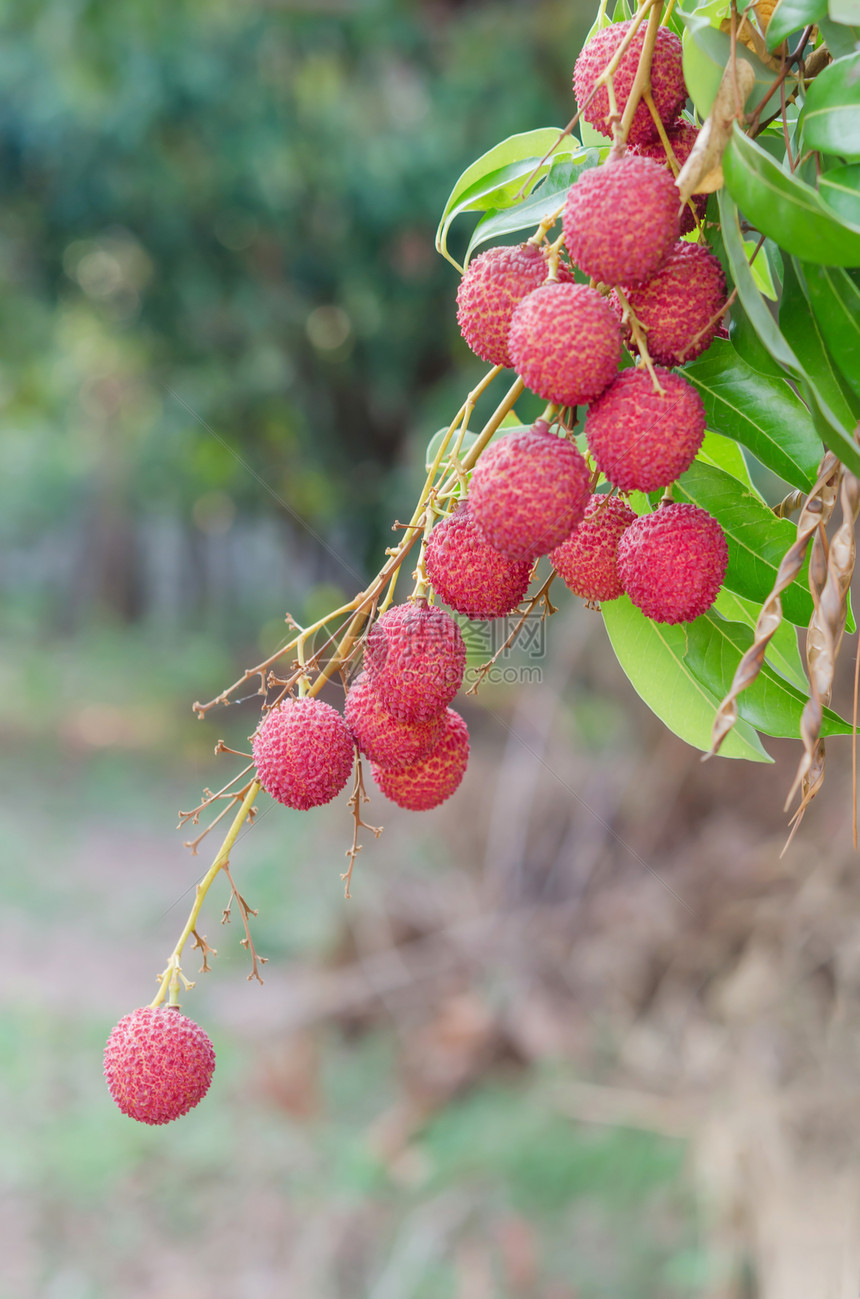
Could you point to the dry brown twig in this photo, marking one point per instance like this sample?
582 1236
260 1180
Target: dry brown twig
358 797
245 911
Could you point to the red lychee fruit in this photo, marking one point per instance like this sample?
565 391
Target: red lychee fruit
680 306
682 137
667 79
415 658
528 492
587 560
641 440
303 753
565 343
468 573
492 286
672 563
381 737
430 782
158 1064
598 231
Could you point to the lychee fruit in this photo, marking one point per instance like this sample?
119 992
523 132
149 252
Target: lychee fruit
667 79
158 1064
587 560
680 307
468 573
415 658
641 440
672 563
303 753
528 492
384 739
428 783
682 136
598 231
492 286
565 343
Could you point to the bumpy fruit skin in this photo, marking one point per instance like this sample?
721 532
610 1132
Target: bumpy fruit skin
672 563
598 231
640 440
528 492
680 304
468 573
303 753
158 1064
429 783
667 79
565 343
682 137
492 286
415 658
587 560
381 737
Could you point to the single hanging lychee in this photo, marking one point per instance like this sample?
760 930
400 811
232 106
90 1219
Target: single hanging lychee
587 560
384 739
565 343
468 573
528 492
642 440
682 136
303 753
415 658
598 231
672 563
681 306
428 783
493 284
668 89
158 1064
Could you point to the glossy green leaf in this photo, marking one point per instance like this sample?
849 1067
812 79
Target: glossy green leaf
835 300
803 331
652 657
830 427
783 650
840 190
831 114
724 453
707 52
790 16
749 346
841 38
761 412
756 539
545 199
771 704
495 179
760 270
787 209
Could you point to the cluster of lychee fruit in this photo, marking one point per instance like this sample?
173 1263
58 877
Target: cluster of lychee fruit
621 275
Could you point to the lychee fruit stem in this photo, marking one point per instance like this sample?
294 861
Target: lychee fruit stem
639 339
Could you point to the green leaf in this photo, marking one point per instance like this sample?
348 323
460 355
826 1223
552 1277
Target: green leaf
723 453
837 436
831 114
835 300
749 346
761 269
545 199
785 208
757 540
509 424
759 411
840 39
771 704
707 52
840 190
804 333
652 657
783 651
790 15
495 179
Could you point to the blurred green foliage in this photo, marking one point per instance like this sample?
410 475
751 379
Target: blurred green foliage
216 234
